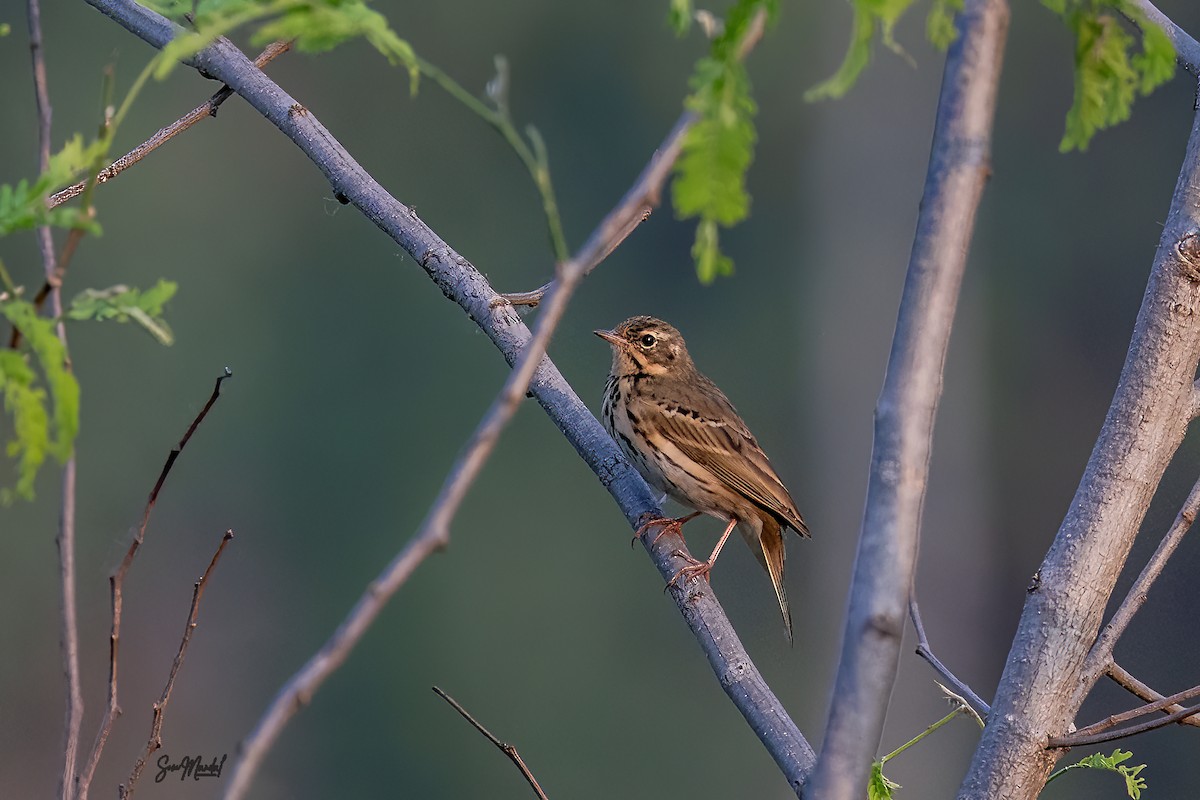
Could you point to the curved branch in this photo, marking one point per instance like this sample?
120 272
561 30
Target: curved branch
904 417
461 282
1187 49
1124 678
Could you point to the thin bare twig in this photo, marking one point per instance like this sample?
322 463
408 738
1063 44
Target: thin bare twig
160 708
164 135
1080 739
1124 678
1163 703
959 165
116 582
925 652
663 160
506 748
65 541
1100 656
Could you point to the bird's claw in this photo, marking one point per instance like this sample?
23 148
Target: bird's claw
665 523
693 569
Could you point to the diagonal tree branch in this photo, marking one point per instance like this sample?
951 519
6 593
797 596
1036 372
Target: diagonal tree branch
1040 690
904 416
1139 689
1187 49
461 282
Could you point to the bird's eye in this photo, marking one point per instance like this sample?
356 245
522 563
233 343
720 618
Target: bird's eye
648 340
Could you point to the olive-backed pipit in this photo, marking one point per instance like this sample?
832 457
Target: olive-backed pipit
686 439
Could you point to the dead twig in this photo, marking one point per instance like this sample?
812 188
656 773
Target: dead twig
1139 689
160 708
116 582
203 111
1099 732
506 748
924 651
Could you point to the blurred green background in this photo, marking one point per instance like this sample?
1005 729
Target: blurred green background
355 384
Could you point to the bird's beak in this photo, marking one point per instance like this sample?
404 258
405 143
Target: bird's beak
609 336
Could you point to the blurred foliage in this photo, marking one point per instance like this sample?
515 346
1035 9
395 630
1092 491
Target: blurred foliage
710 175
882 15
23 207
35 432
123 304
1109 72
315 25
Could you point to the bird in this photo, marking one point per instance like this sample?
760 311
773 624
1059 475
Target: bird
681 433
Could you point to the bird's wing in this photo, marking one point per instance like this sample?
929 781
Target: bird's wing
713 435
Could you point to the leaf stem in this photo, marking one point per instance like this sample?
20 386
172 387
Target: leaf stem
919 736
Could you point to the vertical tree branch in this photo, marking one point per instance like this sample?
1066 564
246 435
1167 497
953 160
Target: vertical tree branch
904 417
65 541
1040 691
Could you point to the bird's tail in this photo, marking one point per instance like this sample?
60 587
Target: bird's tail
766 541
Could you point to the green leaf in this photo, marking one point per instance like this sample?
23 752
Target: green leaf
710 174
23 206
33 434
680 16
5 29
706 252
29 442
868 15
124 304
315 25
879 786
1111 763
1109 72
939 25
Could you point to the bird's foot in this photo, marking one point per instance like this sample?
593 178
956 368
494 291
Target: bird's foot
665 524
694 569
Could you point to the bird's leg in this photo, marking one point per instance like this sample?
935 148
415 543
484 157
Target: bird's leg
697 568
666 524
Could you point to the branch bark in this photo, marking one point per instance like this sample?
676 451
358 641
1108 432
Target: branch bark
904 417
462 283
1040 691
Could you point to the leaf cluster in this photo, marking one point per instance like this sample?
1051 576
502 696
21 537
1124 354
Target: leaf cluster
37 433
23 205
871 16
1134 784
123 304
314 25
710 175
1112 66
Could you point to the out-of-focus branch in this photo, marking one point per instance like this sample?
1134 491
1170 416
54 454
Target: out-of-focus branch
1139 689
1101 654
65 541
504 747
116 582
926 652
164 135
1042 686
160 708
904 417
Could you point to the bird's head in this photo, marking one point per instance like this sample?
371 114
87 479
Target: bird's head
646 345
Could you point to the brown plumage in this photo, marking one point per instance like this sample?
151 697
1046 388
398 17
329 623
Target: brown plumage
686 439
